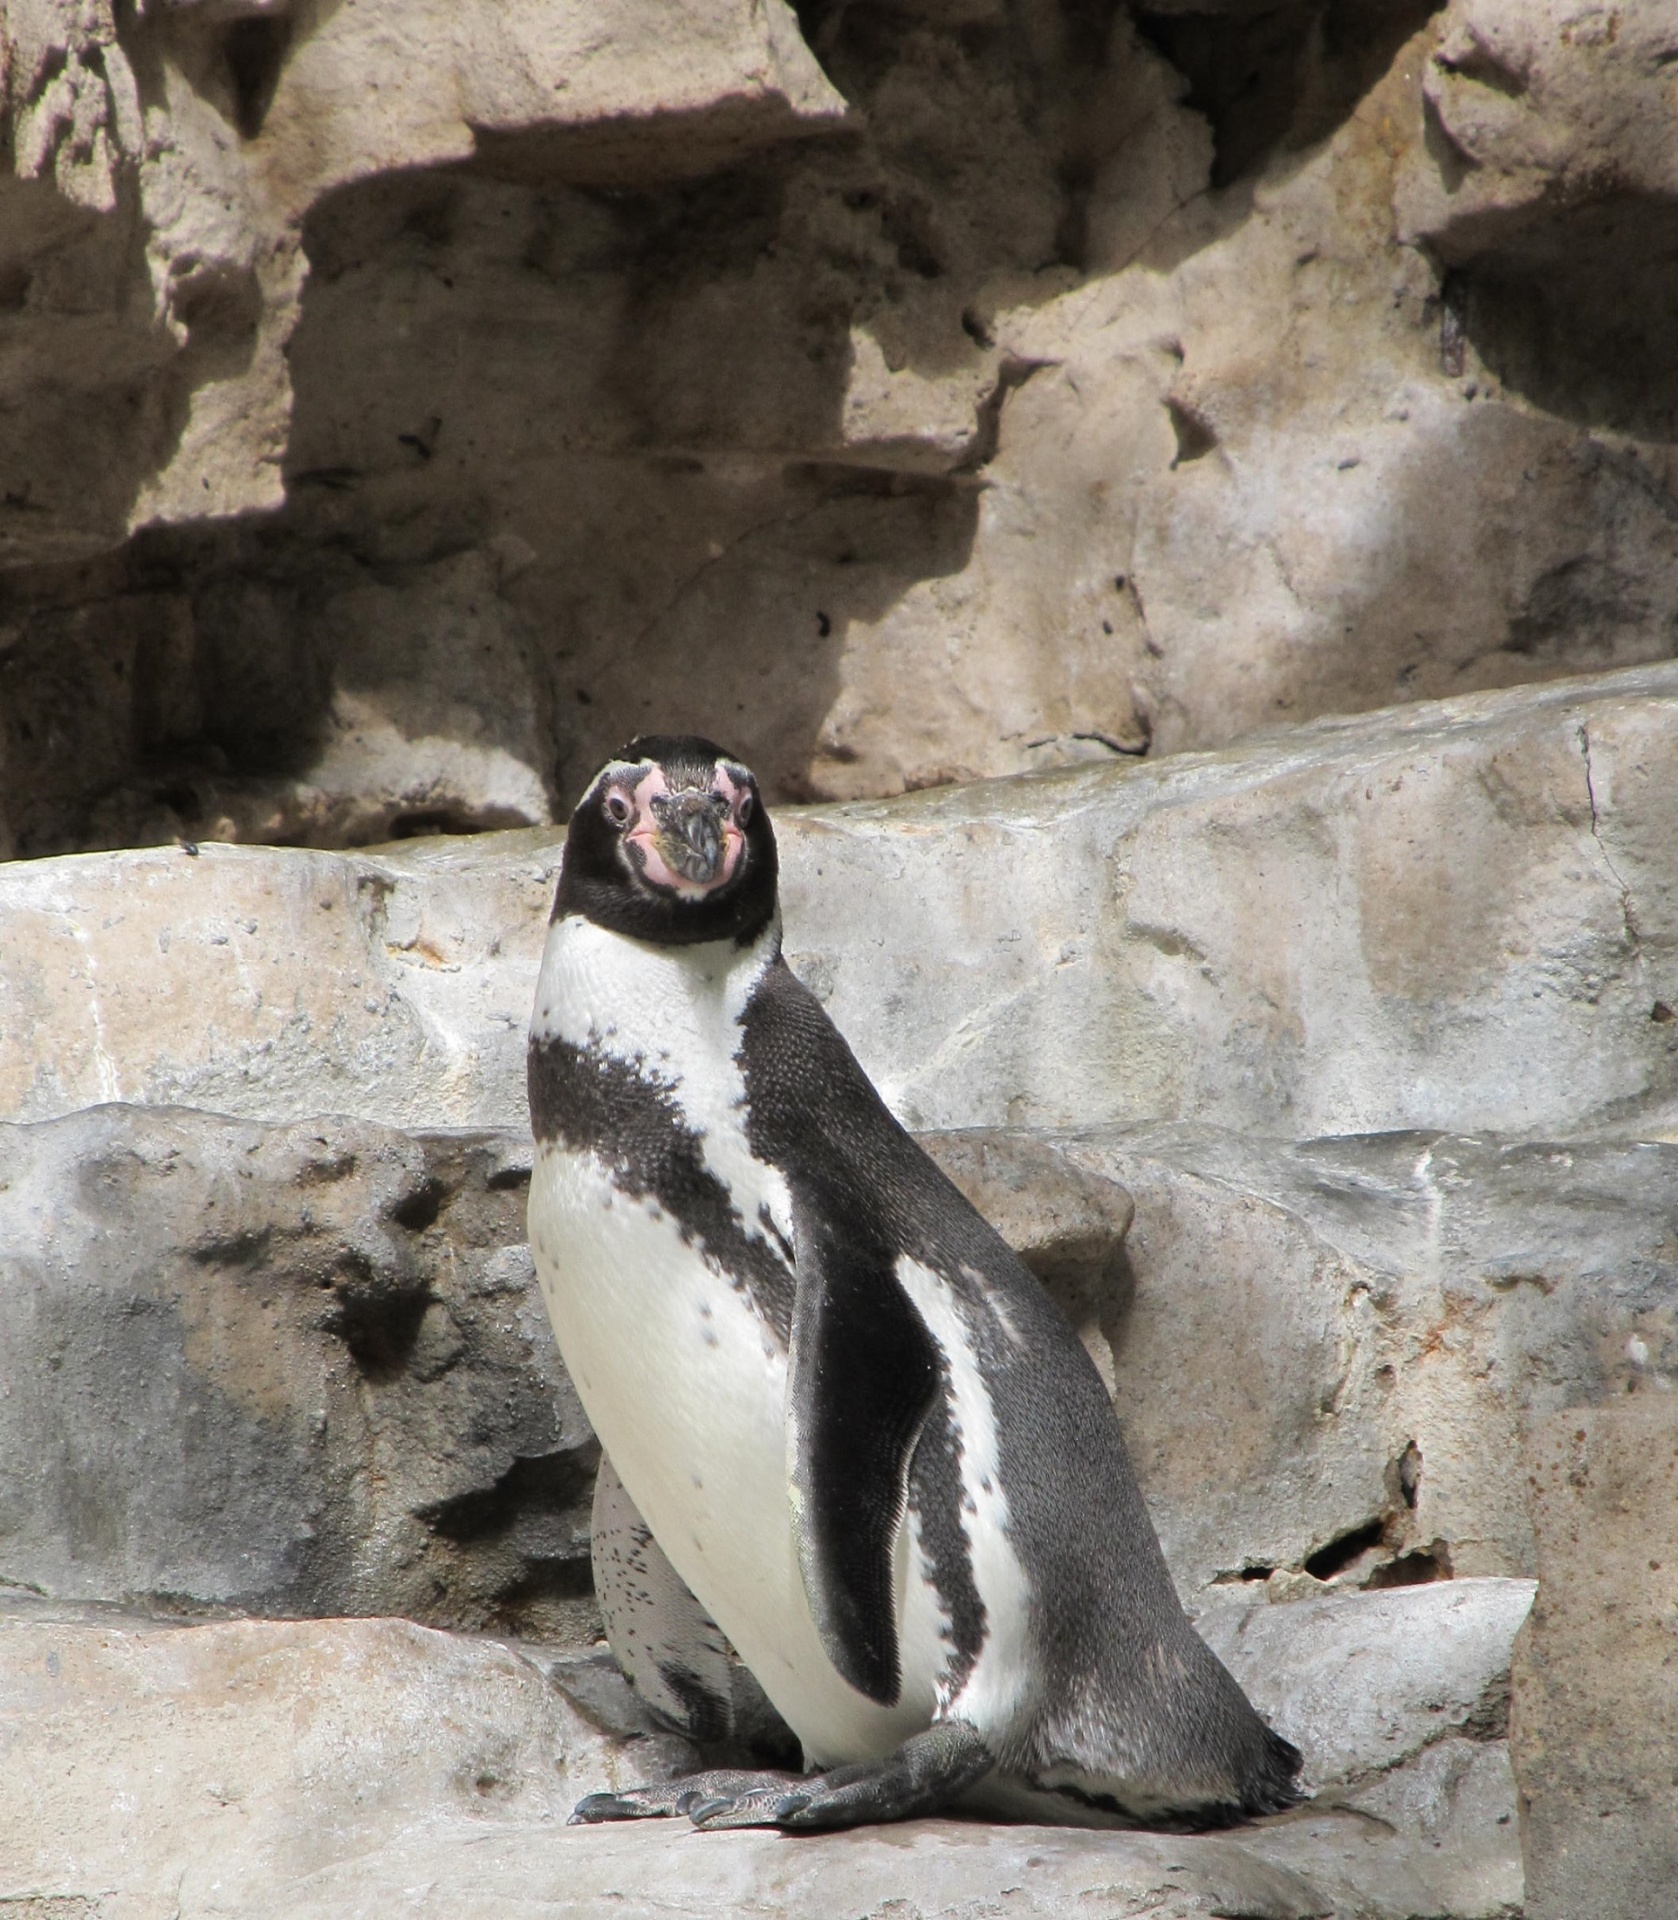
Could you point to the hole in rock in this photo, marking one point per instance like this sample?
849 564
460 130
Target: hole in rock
1195 435
1274 79
418 1210
1339 1554
380 1329
1414 1569
256 50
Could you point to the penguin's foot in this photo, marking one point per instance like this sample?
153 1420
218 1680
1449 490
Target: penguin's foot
678 1796
923 1776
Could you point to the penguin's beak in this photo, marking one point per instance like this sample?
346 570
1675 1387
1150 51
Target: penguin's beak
692 840
689 842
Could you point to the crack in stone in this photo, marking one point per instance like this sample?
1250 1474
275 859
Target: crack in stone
1628 913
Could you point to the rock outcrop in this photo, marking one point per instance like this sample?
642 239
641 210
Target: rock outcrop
1451 917
411 403
1226 452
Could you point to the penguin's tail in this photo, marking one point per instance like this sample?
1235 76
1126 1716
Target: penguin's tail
1272 1781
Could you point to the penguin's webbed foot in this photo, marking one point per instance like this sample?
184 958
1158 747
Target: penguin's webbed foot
672 1797
923 1776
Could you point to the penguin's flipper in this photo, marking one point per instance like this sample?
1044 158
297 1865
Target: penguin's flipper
923 1776
863 1373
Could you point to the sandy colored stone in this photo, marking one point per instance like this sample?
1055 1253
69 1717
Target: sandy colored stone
1595 1720
158 1770
1016 414
161 169
1545 114
1455 916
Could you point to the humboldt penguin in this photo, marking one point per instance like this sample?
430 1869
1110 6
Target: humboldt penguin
849 1434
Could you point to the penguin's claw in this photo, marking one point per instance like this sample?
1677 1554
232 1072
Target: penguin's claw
638 1803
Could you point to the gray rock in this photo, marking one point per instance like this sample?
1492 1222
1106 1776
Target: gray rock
1363 1683
1462 915
158 1770
1336 1352
307 1369
283 1370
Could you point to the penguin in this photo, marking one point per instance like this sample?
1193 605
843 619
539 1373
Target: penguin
850 1436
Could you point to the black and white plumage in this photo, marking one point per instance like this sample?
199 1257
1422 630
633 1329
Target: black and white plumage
862 1436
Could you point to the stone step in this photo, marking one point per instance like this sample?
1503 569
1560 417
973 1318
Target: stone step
1461 915
339 1768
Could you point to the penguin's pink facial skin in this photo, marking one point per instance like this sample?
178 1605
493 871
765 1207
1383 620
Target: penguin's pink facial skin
687 842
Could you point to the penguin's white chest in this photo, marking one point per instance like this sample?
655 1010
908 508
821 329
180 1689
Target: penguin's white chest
678 1364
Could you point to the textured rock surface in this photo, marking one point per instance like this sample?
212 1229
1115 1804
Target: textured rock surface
1596 1678
400 405
349 1767
293 1370
1454 916
157 1770
1084 385
163 160
1338 1355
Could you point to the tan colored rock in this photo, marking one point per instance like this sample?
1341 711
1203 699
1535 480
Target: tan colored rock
1595 1721
1032 418
1456 916
153 251
1547 116
158 1770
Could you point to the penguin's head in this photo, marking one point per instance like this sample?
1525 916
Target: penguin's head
671 844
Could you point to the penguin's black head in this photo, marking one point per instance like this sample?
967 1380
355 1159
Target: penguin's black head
671 844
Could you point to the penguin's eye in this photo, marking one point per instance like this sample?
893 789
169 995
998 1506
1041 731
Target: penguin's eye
617 808
744 811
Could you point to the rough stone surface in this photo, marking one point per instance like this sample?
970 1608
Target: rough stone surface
295 1370
349 1767
1336 1352
1088 385
1595 1718
160 1770
404 401
1455 916
162 161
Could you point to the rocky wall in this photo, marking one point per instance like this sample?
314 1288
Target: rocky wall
1225 452
405 406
